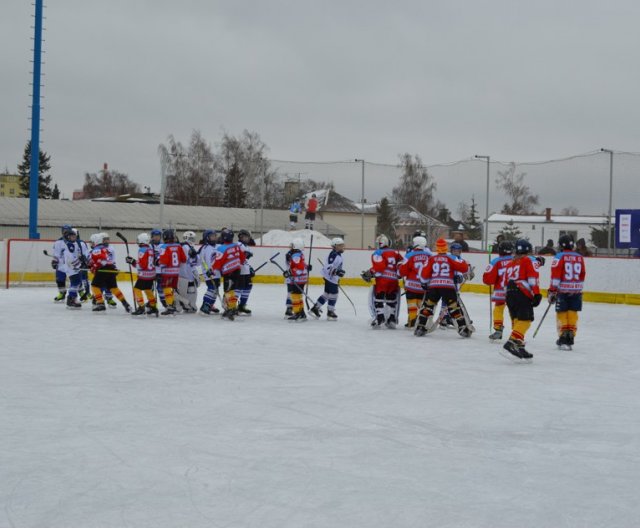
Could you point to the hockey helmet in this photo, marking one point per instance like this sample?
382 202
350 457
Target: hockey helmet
244 233
100 238
419 233
144 238
337 241
523 247
65 227
382 241
455 248
419 242
94 238
226 235
168 235
156 233
566 242
297 243
189 236
505 248
209 236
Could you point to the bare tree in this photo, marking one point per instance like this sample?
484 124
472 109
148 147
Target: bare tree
519 194
108 183
416 187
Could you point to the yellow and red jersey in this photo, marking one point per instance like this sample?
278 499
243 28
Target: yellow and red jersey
228 258
494 276
171 256
523 270
411 267
298 271
101 256
567 272
440 271
145 263
384 263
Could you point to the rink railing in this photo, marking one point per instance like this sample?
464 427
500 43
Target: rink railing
610 280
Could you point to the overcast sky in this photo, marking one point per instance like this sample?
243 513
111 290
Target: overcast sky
335 80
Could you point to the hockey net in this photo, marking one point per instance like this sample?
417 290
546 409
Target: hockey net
24 262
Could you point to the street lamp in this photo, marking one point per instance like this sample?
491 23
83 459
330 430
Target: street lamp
609 233
361 205
485 245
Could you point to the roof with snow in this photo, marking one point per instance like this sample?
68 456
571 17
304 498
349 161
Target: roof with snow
332 202
558 219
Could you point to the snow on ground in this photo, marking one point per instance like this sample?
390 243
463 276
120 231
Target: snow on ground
277 237
109 421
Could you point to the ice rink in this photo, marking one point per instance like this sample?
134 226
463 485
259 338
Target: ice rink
110 421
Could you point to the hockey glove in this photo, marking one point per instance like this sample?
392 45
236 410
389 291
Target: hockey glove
552 295
248 254
425 286
193 253
458 279
286 274
54 264
340 273
541 260
84 262
252 272
309 267
130 260
536 300
367 275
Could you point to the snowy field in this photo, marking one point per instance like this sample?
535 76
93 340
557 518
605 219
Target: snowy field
110 421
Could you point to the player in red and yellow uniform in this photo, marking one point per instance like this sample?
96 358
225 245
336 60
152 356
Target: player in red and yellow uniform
567 279
229 258
409 269
523 295
437 278
103 265
386 291
146 267
296 277
494 276
171 256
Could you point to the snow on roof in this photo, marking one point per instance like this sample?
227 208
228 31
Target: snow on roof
278 237
535 219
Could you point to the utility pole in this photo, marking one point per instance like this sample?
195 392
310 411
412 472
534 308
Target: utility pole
485 244
609 223
361 205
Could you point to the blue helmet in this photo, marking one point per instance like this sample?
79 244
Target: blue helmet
455 247
65 227
209 236
156 232
226 235
523 247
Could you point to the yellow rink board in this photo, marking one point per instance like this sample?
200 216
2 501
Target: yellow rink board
588 296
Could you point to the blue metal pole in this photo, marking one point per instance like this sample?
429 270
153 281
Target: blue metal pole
34 179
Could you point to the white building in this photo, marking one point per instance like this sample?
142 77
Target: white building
540 228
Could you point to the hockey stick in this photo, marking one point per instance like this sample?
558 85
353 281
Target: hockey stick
265 262
126 245
306 287
344 293
294 283
541 321
489 251
47 254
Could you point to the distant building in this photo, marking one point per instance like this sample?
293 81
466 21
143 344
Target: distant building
10 185
409 220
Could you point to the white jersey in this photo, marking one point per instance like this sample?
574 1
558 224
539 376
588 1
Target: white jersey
189 269
70 258
207 258
84 249
332 264
245 269
58 249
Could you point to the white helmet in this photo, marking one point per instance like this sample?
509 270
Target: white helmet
419 242
297 243
94 239
337 242
189 236
382 241
144 238
99 238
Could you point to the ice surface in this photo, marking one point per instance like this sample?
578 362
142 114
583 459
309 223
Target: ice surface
109 421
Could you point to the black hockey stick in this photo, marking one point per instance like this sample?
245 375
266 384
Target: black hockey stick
306 287
295 284
265 263
47 254
541 320
344 293
126 245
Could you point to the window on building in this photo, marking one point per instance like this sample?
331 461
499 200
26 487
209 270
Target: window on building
12 191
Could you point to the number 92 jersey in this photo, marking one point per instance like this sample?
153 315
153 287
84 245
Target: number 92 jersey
440 270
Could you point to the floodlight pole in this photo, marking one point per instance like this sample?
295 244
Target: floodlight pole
609 233
361 205
485 244
34 172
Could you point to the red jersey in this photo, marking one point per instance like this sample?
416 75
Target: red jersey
171 256
494 276
229 258
384 263
100 257
410 269
145 263
567 272
440 270
297 267
312 205
523 270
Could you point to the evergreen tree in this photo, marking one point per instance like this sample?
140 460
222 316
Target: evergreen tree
44 178
474 226
386 220
234 191
55 194
511 231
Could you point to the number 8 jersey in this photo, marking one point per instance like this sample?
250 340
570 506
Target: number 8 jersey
568 272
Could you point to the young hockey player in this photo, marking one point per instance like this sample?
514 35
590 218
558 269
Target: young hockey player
71 260
229 259
146 267
103 266
310 214
294 210
494 276
415 259
567 278
438 279
386 291
156 242
245 284
189 275
523 295
57 263
212 280
83 255
444 319
171 256
296 276
332 271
